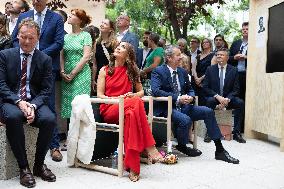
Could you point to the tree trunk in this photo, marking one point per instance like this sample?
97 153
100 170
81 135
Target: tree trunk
172 13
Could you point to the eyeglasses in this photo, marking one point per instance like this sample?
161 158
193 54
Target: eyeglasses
218 39
193 41
122 18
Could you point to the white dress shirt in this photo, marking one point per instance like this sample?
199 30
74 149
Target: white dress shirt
121 35
242 63
193 56
224 72
43 13
145 53
172 75
12 24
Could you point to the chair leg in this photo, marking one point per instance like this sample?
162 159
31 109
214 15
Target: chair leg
195 135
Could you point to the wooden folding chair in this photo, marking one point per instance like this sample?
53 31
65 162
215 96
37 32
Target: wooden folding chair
114 128
166 120
194 125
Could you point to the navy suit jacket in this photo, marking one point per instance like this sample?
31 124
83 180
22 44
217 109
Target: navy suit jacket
211 82
139 61
235 49
10 76
162 86
51 37
133 39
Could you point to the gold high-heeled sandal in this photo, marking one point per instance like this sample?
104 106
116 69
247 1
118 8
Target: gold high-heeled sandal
134 177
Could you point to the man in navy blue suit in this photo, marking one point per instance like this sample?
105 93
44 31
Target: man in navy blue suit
123 23
25 87
171 80
221 87
51 41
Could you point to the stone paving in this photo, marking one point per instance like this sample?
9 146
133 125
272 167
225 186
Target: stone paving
261 167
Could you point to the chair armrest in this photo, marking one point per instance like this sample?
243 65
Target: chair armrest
149 99
106 100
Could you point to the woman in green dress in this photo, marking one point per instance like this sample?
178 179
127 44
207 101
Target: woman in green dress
156 58
75 71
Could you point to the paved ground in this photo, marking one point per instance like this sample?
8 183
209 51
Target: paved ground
261 167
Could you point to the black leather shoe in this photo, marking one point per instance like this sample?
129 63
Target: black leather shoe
191 152
44 173
207 138
225 156
238 137
27 178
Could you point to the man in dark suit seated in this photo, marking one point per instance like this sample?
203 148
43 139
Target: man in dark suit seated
171 80
51 41
25 87
221 85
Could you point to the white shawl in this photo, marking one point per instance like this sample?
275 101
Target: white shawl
82 131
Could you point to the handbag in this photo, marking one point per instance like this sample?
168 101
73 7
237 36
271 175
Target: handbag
5 42
147 87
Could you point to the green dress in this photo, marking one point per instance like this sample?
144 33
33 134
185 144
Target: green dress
81 84
159 51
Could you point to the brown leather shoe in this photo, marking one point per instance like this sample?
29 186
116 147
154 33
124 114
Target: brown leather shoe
44 173
27 178
56 155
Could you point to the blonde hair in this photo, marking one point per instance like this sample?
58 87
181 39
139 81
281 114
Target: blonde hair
112 41
185 62
29 22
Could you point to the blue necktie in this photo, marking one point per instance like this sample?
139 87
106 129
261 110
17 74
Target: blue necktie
221 80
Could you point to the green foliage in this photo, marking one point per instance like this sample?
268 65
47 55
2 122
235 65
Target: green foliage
243 5
145 15
152 15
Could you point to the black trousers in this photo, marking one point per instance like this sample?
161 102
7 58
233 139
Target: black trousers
14 119
242 84
235 103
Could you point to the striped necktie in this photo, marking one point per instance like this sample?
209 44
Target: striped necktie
23 90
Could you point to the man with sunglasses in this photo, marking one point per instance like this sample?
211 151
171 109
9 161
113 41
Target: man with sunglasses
194 49
123 23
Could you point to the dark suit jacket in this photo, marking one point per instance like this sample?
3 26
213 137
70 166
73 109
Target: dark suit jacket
133 39
139 62
10 76
51 38
211 82
162 86
235 49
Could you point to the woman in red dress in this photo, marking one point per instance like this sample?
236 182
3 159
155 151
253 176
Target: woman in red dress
118 79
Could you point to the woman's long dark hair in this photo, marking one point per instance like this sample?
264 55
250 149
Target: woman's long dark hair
130 63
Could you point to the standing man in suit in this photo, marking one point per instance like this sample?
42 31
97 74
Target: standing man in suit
221 87
238 58
18 6
123 23
25 86
51 41
171 80
144 52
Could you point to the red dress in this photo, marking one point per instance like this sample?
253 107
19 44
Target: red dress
137 133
